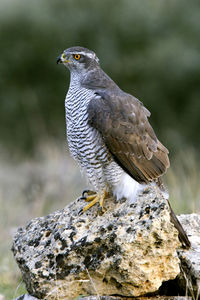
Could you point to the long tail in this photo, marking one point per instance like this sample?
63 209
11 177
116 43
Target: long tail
181 232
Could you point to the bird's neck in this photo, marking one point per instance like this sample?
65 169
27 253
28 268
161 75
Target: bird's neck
74 79
77 98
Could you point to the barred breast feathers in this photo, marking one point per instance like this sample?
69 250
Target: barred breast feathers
88 148
85 142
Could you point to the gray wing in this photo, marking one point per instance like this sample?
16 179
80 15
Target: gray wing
123 123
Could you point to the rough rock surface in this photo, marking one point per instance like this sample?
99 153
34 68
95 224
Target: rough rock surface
137 298
27 297
129 250
190 260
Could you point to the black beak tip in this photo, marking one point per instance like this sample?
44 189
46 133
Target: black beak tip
59 61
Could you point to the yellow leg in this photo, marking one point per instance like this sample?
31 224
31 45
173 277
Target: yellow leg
93 199
88 195
90 198
93 202
102 198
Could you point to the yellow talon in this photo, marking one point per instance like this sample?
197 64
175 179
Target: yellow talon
102 198
93 199
90 198
93 202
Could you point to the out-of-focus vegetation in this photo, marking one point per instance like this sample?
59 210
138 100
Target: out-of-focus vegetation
150 48
28 189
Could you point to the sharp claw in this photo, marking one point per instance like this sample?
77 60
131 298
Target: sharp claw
102 210
93 198
80 212
85 192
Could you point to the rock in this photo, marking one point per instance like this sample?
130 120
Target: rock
135 298
26 297
128 250
190 260
188 281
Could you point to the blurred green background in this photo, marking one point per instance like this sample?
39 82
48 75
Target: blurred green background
150 48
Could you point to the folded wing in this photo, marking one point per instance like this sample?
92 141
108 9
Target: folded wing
123 123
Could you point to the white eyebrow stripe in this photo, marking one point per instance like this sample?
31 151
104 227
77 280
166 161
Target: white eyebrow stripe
90 55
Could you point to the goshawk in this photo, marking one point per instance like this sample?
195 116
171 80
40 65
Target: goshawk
109 133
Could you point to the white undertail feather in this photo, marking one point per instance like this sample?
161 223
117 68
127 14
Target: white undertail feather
128 188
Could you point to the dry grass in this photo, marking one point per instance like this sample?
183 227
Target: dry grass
32 188
183 182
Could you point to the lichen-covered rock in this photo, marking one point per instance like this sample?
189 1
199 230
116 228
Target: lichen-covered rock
137 298
190 260
26 297
129 250
97 297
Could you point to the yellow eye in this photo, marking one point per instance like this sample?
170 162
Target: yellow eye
77 56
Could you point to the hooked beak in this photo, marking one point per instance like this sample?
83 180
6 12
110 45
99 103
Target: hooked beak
62 59
59 59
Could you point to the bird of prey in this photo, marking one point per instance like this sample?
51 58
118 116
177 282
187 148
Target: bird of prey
109 134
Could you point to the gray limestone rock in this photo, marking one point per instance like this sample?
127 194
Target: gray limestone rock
190 260
129 250
135 298
26 297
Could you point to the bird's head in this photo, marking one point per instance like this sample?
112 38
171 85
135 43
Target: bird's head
78 59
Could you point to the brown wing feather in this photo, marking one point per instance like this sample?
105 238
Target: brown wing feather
123 123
